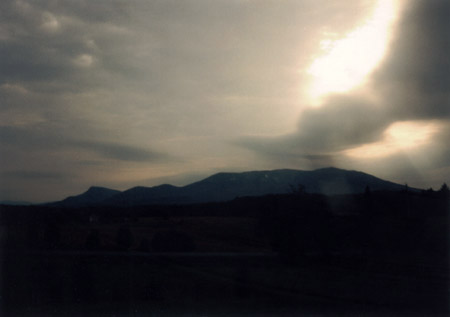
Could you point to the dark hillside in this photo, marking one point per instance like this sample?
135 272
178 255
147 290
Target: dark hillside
93 195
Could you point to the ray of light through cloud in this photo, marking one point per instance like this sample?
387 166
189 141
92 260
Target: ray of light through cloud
399 136
345 62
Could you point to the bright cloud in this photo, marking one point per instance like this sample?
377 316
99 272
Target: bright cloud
347 61
399 137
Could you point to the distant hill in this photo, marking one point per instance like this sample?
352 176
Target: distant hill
162 194
93 196
227 186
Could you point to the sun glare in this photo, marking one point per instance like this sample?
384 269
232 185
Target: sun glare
400 136
346 62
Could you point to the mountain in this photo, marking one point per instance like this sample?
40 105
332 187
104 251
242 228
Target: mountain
328 181
94 195
227 186
140 195
15 203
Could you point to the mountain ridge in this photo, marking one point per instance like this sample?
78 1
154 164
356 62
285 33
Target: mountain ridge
225 186
94 195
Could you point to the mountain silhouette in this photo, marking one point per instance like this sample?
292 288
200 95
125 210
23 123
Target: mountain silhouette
15 203
140 195
227 186
94 195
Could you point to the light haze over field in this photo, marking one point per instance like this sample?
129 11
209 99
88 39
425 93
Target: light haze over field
126 93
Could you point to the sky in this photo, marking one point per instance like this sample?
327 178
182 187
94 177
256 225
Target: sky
126 93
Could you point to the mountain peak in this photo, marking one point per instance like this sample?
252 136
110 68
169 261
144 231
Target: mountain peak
331 169
94 195
99 188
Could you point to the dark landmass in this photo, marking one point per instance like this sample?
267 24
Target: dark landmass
371 253
15 203
92 196
227 186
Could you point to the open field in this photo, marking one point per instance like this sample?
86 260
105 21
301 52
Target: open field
282 255
139 283
210 234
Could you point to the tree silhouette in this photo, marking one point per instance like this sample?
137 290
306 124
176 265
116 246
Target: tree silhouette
367 191
406 189
444 191
299 190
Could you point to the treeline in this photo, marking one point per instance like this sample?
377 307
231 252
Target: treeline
296 224
380 202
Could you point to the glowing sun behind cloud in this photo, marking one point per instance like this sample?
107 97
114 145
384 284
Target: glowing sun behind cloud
400 136
347 61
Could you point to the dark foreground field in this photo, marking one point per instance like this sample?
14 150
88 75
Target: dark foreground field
117 283
383 254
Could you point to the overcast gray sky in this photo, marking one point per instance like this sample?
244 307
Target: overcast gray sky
126 93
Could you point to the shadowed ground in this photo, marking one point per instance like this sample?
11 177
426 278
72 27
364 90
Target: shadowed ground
291 254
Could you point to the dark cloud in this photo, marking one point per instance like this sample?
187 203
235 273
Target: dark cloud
439 148
342 122
415 78
23 62
51 47
94 12
121 151
39 175
29 139
41 140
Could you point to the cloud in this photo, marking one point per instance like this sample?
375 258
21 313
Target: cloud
50 23
340 123
83 60
121 152
410 84
52 166
46 45
43 140
415 77
333 126
39 175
